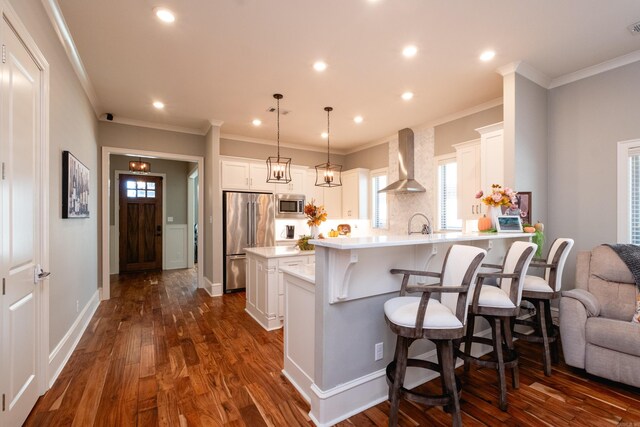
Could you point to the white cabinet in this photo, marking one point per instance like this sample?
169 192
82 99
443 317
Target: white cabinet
297 183
480 165
355 193
265 287
244 175
469 179
329 197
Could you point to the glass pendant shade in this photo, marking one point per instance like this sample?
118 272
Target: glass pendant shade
139 167
278 168
328 174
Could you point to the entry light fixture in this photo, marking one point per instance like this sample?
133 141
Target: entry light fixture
278 168
139 167
328 174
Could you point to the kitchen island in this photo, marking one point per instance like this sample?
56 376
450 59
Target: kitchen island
351 283
264 286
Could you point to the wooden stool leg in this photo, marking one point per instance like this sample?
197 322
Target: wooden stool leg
555 358
471 319
508 338
447 366
400 359
497 347
439 349
542 319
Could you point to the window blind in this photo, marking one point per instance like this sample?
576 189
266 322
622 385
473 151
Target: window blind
634 198
379 202
448 197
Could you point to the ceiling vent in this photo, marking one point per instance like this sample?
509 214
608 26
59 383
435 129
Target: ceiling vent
282 112
634 28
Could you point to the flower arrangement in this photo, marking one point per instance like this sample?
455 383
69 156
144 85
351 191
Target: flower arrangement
315 214
498 196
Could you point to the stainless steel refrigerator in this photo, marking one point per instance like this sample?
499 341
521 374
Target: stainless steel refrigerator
249 222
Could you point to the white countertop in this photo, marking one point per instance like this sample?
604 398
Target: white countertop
414 239
277 251
306 272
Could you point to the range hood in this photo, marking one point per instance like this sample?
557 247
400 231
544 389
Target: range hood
405 183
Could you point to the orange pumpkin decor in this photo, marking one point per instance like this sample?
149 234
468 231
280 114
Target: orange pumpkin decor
484 223
529 230
539 226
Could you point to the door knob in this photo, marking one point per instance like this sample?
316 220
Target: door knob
159 230
39 274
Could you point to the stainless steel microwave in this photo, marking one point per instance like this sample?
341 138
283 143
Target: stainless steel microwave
290 205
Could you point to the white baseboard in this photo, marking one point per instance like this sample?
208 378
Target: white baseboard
60 355
329 407
213 289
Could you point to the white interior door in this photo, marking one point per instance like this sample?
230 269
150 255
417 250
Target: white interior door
19 152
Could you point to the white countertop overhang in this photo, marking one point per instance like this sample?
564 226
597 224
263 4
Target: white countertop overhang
407 240
277 251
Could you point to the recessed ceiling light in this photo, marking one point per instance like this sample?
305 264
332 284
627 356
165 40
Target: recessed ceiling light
407 96
320 66
324 135
256 122
159 105
165 15
487 55
410 51
358 119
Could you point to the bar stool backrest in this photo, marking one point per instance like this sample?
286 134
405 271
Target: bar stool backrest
557 254
460 268
517 261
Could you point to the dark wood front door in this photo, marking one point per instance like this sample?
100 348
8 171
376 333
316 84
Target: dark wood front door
140 223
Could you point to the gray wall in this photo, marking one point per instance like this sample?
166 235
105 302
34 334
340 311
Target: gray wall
464 129
175 184
252 150
375 157
112 134
587 118
73 127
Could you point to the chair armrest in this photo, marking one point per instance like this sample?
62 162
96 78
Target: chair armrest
542 265
499 275
415 272
436 288
590 302
496 266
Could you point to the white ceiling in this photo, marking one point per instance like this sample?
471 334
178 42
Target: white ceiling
224 59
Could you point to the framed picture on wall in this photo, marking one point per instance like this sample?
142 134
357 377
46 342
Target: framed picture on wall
75 187
522 207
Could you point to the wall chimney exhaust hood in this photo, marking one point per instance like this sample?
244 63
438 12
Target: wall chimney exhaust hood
405 183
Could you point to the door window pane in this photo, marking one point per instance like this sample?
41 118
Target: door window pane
131 193
131 184
151 193
151 185
141 185
141 193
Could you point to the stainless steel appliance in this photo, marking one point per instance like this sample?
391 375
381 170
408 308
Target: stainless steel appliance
291 231
249 222
290 205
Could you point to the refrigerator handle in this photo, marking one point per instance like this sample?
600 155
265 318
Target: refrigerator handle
253 222
249 224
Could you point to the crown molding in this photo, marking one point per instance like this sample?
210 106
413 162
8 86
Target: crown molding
315 148
151 125
525 70
593 70
62 30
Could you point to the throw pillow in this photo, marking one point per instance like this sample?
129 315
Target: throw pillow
636 315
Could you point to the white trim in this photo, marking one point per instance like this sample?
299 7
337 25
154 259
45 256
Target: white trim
527 71
191 176
42 315
152 125
62 352
623 208
315 148
593 70
116 222
105 184
213 289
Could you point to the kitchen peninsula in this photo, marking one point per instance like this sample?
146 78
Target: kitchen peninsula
265 289
351 284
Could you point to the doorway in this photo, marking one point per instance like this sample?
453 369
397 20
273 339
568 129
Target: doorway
140 223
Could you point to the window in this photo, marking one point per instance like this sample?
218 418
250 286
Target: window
379 208
141 189
447 194
629 192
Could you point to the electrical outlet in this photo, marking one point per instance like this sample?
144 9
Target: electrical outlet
77 306
379 351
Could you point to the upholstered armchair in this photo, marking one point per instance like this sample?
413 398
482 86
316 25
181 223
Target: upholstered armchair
595 318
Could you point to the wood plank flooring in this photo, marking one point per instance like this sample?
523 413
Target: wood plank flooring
161 352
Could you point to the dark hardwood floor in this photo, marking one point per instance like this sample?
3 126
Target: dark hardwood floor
161 352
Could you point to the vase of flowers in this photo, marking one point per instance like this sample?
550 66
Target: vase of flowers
498 198
315 216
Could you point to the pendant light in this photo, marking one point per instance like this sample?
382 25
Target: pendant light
328 174
139 167
278 168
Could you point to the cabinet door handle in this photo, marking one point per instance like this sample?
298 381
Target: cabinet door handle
246 181
473 207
